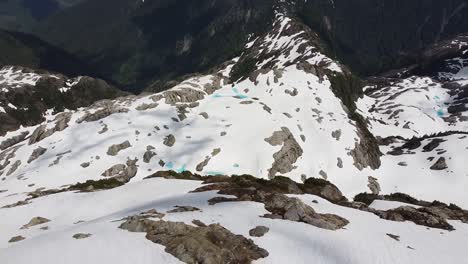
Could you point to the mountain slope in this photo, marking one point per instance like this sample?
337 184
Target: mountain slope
23 15
140 48
25 50
133 45
332 168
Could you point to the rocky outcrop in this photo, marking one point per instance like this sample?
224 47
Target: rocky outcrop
115 149
183 95
285 158
81 235
420 216
144 106
440 164
13 167
36 154
245 187
32 93
122 172
431 214
149 154
169 140
35 221
293 209
373 185
42 132
16 239
182 209
13 140
197 244
106 111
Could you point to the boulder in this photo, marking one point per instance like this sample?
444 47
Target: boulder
258 231
197 244
115 149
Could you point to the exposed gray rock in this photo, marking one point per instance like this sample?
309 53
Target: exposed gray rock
259 231
181 209
205 115
41 132
122 172
35 221
373 185
294 92
169 140
197 244
16 239
336 134
202 164
81 236
85 164
104 129
294 209
395 237
13 140
419 216
339 163
198 223
144 107
115 149
323 174
288 154
183 95
440 164
114 170
433 145
14 167
215 152
102 113
149 154
366 152
36 154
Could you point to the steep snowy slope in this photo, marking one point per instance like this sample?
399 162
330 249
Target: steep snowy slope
420 116
281 108
211 126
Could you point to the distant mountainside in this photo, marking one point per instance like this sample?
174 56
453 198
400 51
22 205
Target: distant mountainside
137 43
24 15
22 49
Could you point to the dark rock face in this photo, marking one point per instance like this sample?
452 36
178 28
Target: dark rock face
431 214
52 91
419 216
440 164
200 244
